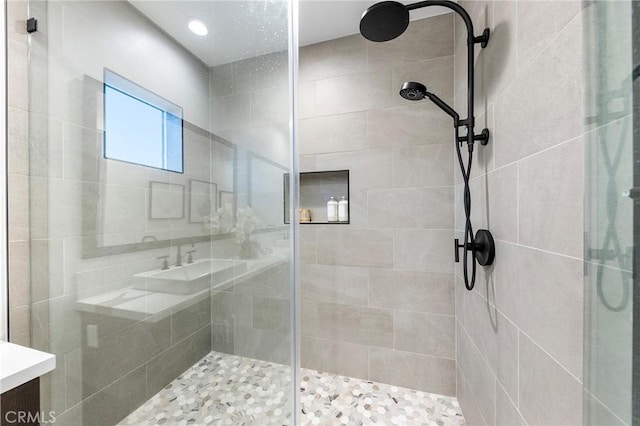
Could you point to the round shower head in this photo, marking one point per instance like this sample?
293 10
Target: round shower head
413 91
384 21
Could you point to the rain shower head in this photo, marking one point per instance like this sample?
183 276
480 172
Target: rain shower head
384 21
413 91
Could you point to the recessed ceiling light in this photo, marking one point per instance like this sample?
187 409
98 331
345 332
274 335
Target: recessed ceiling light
198 27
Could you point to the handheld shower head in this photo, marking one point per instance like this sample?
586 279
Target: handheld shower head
413 91
384 21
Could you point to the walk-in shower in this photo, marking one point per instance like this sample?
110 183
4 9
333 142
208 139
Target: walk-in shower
387 20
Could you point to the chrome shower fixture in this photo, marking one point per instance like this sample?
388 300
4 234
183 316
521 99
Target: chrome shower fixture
387 20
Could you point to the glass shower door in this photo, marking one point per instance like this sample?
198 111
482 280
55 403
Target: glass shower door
611 298
160 262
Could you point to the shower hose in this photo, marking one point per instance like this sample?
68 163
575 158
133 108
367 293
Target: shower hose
468 229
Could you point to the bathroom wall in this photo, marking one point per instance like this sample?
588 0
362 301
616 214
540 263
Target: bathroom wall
109 361
519 332
18 174
377 294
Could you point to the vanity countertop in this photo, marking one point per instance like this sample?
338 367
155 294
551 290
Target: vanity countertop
19 365
135 304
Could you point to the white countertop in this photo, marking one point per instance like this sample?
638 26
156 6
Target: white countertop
19 364
138 305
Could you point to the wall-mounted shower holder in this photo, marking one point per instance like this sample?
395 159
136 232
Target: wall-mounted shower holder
483 137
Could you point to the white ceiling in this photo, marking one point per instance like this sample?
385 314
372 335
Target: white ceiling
240 29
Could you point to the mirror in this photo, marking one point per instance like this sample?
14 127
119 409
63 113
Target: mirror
140 207
265 189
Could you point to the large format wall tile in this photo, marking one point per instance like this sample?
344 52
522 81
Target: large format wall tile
116 401
347 359
367 169
344 247
332 58
428 334
419 166
354 92
423 250
411 124
430 292
411 46
413 370
478 375
538 22
334 133
503 203
416 208
543 106
550 193
335 284
496 338
548 394
551 305
122 351
507 413
472 413
361 325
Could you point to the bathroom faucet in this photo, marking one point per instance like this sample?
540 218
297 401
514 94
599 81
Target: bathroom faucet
165 262
189 253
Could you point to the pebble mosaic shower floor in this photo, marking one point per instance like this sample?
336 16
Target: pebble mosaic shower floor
223 389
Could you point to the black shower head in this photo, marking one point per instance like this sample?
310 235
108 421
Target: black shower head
384 21
413 91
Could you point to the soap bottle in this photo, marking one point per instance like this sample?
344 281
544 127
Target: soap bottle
343 210
332 210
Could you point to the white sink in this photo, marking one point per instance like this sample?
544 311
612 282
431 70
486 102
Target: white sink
192 277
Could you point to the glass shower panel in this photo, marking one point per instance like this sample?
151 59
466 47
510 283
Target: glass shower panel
610 202
160 260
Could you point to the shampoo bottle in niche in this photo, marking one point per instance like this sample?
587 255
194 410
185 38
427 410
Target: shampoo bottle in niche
343 210
332 210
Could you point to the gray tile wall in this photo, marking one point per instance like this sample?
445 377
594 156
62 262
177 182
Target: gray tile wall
377 294
18 174
519 333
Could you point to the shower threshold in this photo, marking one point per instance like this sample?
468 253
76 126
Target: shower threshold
223 389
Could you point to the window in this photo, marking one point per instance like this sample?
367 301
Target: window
141 127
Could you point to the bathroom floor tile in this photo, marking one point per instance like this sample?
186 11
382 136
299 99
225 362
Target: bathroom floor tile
223 389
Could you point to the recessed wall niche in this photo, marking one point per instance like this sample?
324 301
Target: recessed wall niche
316 189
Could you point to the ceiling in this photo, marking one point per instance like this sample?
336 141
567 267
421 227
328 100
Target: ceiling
240 29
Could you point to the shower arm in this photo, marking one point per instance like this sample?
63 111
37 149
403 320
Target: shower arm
483 39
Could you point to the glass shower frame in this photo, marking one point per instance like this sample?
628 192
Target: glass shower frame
50 320
611 213
4 287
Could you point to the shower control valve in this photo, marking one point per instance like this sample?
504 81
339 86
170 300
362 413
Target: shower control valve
483 248
456 249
